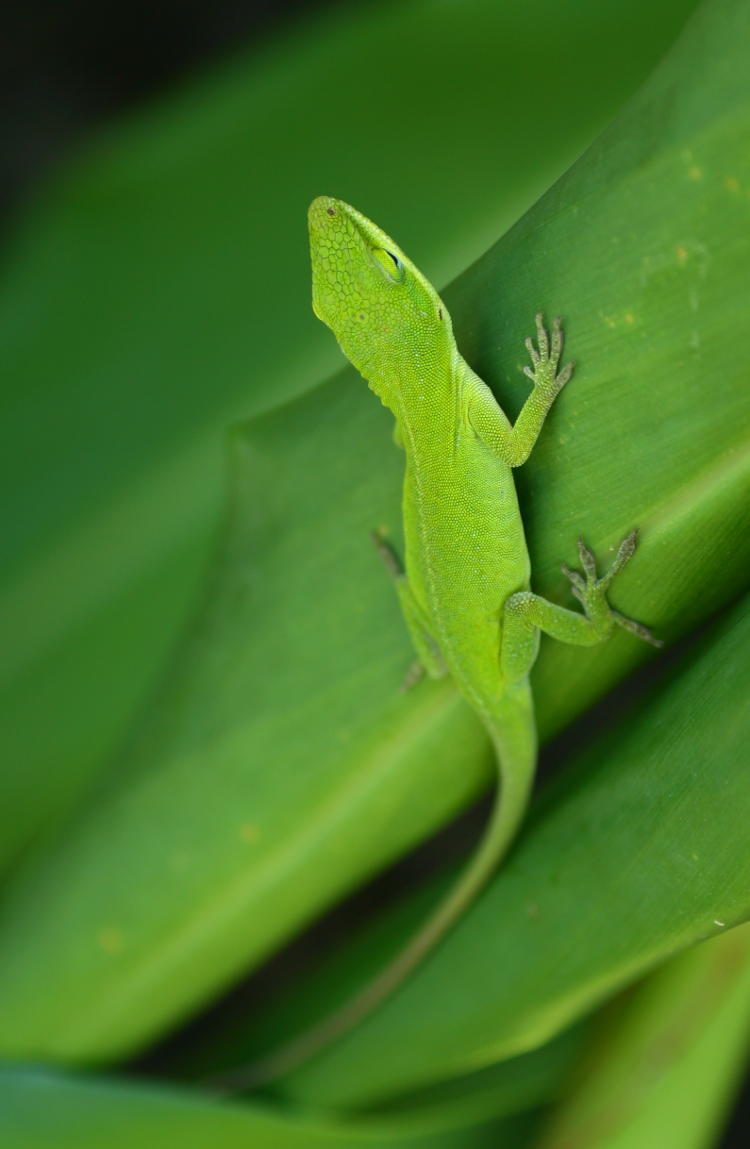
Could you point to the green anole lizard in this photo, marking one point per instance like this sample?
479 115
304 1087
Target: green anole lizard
464 592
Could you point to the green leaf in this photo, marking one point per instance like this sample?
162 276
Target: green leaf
639 852
51 1111
161 288
532 1081
280 765
667 1059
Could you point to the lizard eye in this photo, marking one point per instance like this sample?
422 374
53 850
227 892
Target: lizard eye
389 263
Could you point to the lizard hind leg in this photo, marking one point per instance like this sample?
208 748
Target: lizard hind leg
429 659
526 614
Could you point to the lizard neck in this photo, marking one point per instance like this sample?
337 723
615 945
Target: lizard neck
425 398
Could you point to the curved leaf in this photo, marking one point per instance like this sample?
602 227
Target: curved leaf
280 764
51 1111
641 851
666 1060
161 288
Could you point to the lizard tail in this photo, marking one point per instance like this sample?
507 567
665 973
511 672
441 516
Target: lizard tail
516 753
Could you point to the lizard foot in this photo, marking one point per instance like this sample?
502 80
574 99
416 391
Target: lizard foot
591 591
546 358
414 674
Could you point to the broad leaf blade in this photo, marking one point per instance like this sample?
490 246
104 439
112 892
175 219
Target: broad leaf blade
667 1059
48 1111
280 765
641 851
161 288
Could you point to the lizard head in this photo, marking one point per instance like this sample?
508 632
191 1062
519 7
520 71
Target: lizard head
389 321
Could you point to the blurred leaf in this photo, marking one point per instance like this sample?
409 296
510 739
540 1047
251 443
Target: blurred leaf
234 1034
668 1057
515 1086
641 851
52 1111
162 288
281 765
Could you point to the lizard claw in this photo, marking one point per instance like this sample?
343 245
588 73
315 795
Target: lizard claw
636 628
578 582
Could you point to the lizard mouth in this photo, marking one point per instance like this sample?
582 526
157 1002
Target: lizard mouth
336 246
328 217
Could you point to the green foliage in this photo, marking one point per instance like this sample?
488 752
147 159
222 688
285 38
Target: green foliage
53 1111
162 289
650 824
665 1058
278 766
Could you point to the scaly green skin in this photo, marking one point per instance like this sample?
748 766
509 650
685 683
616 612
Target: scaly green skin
465 592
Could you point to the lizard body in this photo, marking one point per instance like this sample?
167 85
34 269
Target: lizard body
465 591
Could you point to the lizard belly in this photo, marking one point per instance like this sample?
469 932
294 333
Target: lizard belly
465 554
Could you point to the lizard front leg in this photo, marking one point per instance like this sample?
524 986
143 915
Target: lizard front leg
513 445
